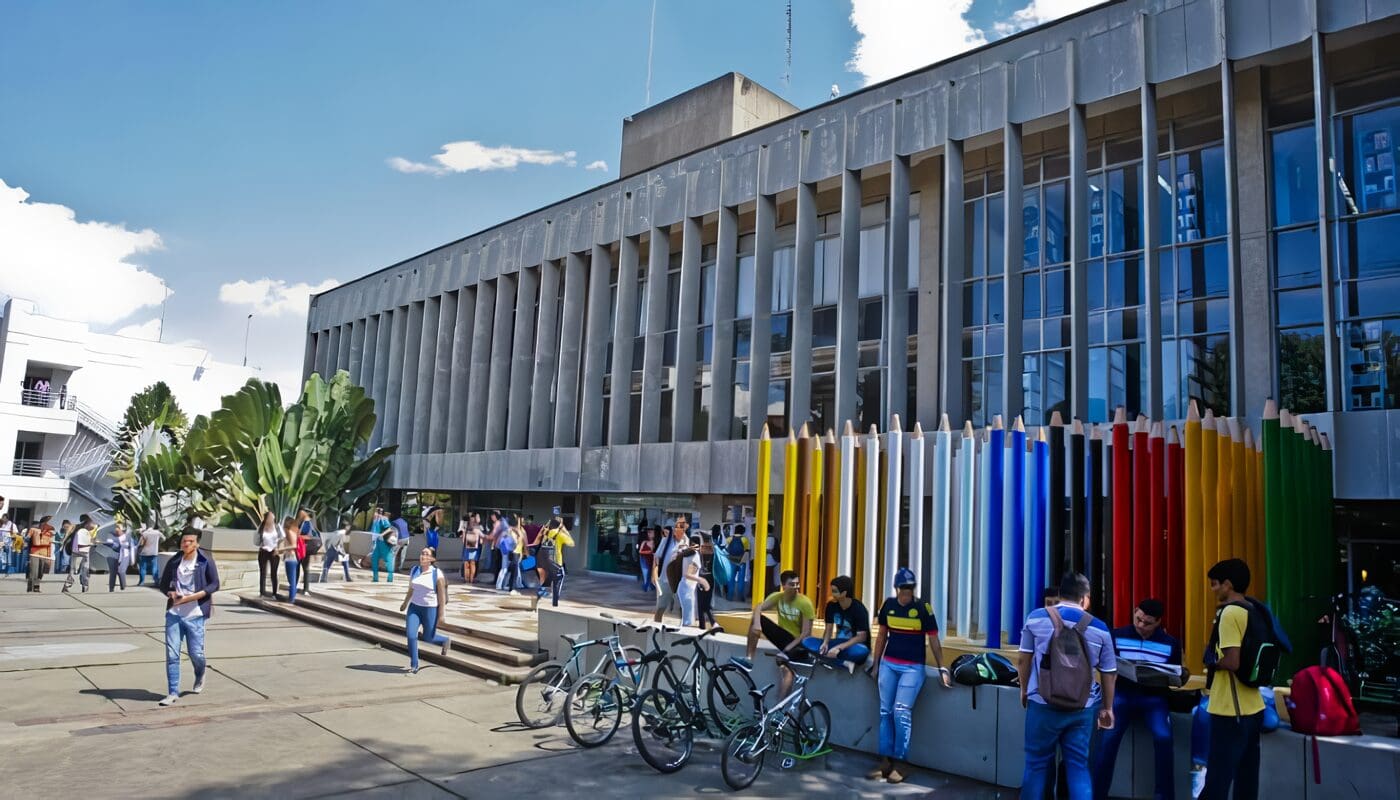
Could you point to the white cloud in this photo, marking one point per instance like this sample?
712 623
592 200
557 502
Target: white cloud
73 269
599 165
469 156
1039 12
148 330
272 298
897 36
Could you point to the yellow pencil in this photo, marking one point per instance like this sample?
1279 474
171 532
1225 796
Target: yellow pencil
813 534
789 502
760 535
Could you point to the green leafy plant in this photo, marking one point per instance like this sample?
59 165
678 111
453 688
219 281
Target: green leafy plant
147 467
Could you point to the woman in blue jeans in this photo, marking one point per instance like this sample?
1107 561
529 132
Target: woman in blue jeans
906 623
425 603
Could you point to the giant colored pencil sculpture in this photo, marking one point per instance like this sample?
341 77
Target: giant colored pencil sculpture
1100 522
984 494
1031 583
1273 499
942 476
1142 517
915 561
1195 567
858 516
785 549
795 557
994 569
1045 500
1239 499
1224 488
894 465
870 569
1079 530
760 539
1058 511
844 541
1244 458
1015 537
1121 579
812 563
967 517
1208 479
833 469
1175 560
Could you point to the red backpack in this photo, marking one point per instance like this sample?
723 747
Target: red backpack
1320 705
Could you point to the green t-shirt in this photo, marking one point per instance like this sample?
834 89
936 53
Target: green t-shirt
790 616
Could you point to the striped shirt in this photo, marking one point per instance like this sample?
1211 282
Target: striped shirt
1035 638
1160 648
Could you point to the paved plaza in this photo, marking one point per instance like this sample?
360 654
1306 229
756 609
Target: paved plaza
294 711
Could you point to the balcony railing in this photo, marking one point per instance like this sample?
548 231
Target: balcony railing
38 468
50 399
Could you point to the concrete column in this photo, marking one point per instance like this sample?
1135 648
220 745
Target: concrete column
308 359
722 363
547 353
383 346
427 375
370 327
954 269
442 372
847 306
683 415
570 349
624 326
896 302
803 276
393 384
658 264
459 383
479 384
498 394
342 358
760 350
595 343
1078 254
928 177
326 355
1322 124
1232 248
522 366
356 361
1256 366
1014 245
1151 239
412 379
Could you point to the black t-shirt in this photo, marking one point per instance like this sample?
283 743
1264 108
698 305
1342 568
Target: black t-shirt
846 623
907 625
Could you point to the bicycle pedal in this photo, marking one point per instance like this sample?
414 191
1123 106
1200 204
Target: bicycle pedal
789 763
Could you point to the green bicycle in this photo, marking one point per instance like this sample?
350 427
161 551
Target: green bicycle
794 722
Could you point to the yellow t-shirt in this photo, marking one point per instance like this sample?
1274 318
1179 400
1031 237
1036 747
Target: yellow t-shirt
790 616
1233 621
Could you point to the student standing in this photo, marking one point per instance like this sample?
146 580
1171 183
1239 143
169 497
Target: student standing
41 552
401 530
847 626
385 542
1143 641
471 548
60 547
645 552
705 593
661 574
691 581
1070 729
550 556
188 583
267 538
906 624
120 561
82 553
508 545
310 546
292 551
148 549
432 520
1236 710
337 544
424 605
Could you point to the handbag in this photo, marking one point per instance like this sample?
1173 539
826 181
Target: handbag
528 562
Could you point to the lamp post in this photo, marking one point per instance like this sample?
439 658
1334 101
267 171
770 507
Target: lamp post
247 326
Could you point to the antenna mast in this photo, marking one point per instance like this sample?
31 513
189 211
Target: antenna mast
651 46
787 65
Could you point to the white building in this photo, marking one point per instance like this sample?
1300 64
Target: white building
61 388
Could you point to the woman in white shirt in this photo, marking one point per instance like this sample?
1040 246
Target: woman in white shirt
120 561
425 603
691 580
291 549
149 545
266 540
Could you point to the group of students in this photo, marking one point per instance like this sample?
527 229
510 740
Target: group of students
294 543
40 549
734 545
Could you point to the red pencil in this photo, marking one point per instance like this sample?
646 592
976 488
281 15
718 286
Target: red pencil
1157 517
1176 535
1142 509
1121 602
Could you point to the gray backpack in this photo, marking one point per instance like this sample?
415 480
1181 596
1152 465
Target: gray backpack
1065 675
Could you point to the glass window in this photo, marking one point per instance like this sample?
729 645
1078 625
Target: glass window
1056 231
743 306
824 402
1030 296
1057 293
1295 175
972 303
996 302
705 344
673 301
743 336
996 235
1296 255
872 262
1372 359
1372 298
913 253
824 327
869 390
870 322
782 278
1030 225
739 427
827 283
777 407
1368 161
781 327
1124 201
1298 307
1098 209
1205 371
1300 361
704 406
1200 194
1202 271
974 243
1366 248
707 294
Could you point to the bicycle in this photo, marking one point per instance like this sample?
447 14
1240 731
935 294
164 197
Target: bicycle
540 700
593 710
666 718
807 724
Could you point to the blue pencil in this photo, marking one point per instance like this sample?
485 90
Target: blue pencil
996 489
1040 544
1016 532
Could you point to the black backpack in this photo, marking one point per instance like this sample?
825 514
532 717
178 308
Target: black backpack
976 669
1260 651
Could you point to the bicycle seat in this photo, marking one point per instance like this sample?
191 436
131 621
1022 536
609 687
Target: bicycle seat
654 656
759 694
572 640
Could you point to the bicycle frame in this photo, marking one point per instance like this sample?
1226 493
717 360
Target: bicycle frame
777 720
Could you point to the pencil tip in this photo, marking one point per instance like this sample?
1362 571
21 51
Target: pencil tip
1056 419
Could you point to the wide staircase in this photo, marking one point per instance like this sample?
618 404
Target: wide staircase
501 656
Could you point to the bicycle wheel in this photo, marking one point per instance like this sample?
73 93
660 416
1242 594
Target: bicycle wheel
731 705
593 711
662 730
742 759
680 668
813 729
539 702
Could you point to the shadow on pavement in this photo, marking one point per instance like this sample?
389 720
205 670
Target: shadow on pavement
124 694
375 668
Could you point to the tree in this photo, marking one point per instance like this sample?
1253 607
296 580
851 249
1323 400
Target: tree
252 455
146 461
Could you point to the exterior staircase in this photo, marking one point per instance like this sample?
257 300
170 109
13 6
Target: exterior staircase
486 654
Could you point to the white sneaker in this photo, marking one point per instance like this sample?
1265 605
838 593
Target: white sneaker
1198 781
514 593
198 686
170 699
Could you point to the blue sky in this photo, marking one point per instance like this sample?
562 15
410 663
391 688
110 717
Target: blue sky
252 139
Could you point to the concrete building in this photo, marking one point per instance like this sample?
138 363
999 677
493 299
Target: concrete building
61 387
977 237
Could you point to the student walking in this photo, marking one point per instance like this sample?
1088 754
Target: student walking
385 542
188 583
667 578
148 547
847 626
425 603
337 545
120 544
1058 690
508 545
691 581
267 538
1143 642
41 552
60 547
293 552
82 553
550 556
310 546
471 547
1235 709
401 531
705 593
906 623
645 550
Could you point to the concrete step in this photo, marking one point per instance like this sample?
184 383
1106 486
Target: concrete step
524 642
394 623
459 660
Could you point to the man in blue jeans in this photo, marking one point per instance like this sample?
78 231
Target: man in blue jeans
1143 642
188 583
847 626
1048 727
